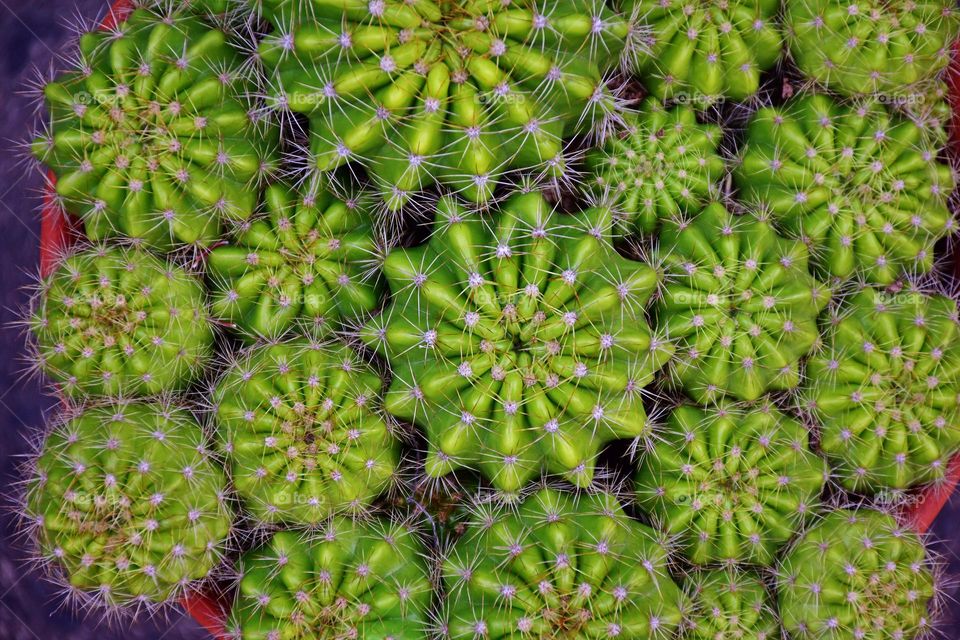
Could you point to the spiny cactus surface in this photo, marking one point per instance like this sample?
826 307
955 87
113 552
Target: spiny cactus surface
739 302
151 136
352 579
518 341
308 262
729 604
115 321
732 484
561 566
859 184
302 437
128 505
885 386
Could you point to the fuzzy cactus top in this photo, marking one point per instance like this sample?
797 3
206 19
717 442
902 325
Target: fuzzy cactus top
518 341
729 604
128 504
885 388
739 302
115 321
455 92
151 136
558 567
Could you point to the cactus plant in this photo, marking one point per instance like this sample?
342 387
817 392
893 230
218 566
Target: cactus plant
299 427
884 388
309 261
664 165
729 604
352 579
558 566
115 321
700 52
871 46
453 92
127 505
151 136
853 576
517 341
860 185
732 484
740 304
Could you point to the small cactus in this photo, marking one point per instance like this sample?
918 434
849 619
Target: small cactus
856 575
115 321
559 566
740 304
732 484
666 164
859 184
884 388
127 505
308 261
729 604
518 341
299 426
352 579
151 137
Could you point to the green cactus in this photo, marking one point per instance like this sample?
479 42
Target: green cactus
731 484
127 505
665 164
729 604
701 52
856 576
871 46
518 341
299 426
151 136
860 185
884 388
114 321
559 566
364 580
309 261
453 92
740 304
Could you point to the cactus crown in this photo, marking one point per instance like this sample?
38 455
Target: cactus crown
729 604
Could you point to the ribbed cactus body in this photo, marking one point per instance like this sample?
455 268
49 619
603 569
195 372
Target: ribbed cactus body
299 425
114 321
152 137
855 575
732 484
860 185
307 262
128 505
729 604
739 302
363 580
560 566
518 341
884 388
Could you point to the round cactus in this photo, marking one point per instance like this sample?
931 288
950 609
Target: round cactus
740 304
729 604
518 341
308 261
853 576
733 485
127 505
300 430
860 185
704 51
151 137
664 165
871 46
885 387
350 580
455 93
559 566
113 321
